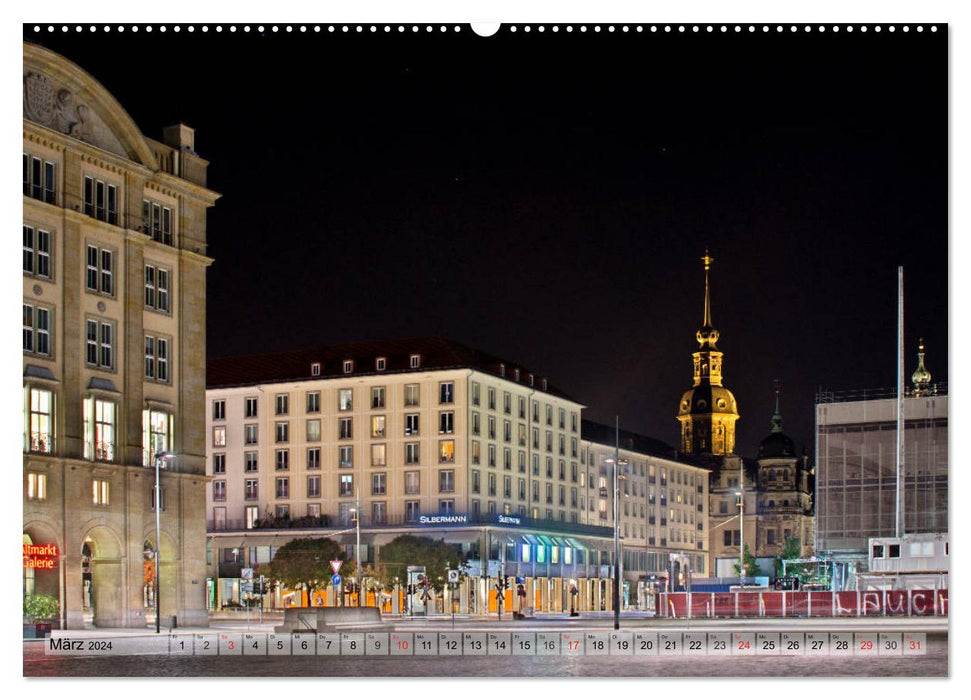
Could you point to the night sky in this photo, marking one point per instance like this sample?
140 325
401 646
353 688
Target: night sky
547 198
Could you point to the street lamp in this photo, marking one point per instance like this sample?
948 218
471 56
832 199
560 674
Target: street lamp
356 510
741 534
159 458
616 462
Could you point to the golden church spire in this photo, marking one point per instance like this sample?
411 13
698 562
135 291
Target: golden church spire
707 411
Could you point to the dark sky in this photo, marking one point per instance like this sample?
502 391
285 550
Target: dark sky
547 197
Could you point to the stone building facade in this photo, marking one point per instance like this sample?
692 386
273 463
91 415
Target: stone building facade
114 289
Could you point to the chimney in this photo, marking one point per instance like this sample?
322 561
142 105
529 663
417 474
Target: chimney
180 137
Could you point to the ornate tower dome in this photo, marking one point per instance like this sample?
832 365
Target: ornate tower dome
777 445
921 377
707 412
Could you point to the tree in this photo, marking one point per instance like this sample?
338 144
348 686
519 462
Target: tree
303 562
751 567
791 550
409 550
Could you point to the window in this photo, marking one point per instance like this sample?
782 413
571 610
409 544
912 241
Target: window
283 487
475 452
446 422
380 364
39 181
379 513
41 420
156 359
313 430
507 431
345 399
219 409
379 484
219 464
313 487
251 462
522 462
100 492
100 337
219 436
251 407
100 276
251 489
156 434
313 402
446 481
446 392
446 506
313 510
157 221
379 455
314 369
282 404
412 453
219 490
346 485
156 288
313 458
283 431
36 487
522 407
412 511
377 397
492 428
506 459
377 426
282 511
506 402
573 421
251 434
475 393
412 482
414 361
492 398
492 455
411 394
507 487
446 451
475 481
411 424
348 366
475 423
346 455
37 330
345 428
252 515
37 252
282 460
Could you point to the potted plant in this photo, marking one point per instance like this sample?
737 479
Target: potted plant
40 615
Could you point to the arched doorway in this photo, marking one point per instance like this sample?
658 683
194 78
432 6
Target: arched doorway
103 590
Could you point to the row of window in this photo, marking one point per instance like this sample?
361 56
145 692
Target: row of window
100 341
100 199
100 490
345 485
100 417
345 402
99 269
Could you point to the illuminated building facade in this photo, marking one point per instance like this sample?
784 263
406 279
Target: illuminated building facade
421 436
114 265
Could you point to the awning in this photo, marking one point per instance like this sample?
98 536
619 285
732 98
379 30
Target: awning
545 540
36 372
529 539
574 543
101 384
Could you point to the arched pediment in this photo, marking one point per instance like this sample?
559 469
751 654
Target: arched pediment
60 96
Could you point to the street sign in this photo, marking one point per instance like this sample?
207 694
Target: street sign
247 587
336 579
335 564
453 576
246 574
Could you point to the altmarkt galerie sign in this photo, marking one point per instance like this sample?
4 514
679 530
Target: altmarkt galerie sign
40 556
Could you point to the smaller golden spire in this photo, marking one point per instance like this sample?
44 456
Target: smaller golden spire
921 378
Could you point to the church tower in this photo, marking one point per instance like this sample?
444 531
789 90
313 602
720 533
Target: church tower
707 411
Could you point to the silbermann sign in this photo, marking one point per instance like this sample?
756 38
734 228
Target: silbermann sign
462 519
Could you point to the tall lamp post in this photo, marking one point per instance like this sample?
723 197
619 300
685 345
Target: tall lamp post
741 534
357 549
159 458
616 484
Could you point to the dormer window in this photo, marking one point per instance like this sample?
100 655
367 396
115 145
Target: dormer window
531 379
381 364
502 369
516 374
348 366
544 384
315 369
415 361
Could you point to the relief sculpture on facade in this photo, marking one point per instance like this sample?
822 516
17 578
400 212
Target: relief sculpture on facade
58 108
